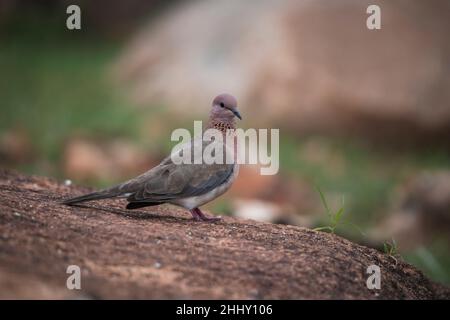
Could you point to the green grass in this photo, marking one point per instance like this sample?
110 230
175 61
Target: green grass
335 218
53 89
433 260
58 92
390 248
368 176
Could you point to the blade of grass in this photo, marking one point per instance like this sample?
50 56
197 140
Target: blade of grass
324 201
324 228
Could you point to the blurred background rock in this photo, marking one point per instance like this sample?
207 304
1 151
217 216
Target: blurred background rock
362 114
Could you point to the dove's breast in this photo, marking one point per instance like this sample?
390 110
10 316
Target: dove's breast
197 201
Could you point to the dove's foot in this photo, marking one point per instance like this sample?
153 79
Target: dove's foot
197 215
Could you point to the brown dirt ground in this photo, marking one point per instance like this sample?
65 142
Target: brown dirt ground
158 252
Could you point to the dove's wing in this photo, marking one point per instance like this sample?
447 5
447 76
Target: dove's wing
169 181
173 181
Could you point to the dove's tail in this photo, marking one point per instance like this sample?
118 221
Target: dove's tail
89 197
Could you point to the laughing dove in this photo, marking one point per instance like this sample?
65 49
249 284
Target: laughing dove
188 185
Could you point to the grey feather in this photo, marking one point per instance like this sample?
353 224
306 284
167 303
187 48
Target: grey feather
166 182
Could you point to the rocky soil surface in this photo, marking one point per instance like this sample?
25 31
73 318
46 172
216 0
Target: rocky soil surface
159 253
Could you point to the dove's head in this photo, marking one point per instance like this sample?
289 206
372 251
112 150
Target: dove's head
224 107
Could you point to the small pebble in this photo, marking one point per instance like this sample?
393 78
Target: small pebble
17 214
254 293
67 182
157 265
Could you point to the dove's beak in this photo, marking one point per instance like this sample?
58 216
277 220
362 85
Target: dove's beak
237 114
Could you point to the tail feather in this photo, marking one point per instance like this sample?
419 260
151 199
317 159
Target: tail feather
88 197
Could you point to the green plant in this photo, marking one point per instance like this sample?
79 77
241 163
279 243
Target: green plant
391 249
335 218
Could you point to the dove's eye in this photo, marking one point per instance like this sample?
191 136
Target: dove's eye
222 105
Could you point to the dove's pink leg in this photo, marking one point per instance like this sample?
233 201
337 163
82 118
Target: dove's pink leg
195 215
198 215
